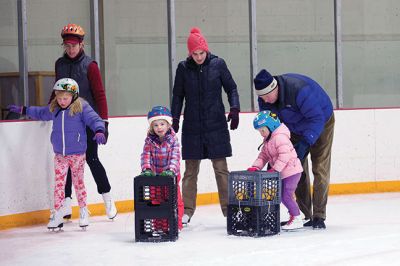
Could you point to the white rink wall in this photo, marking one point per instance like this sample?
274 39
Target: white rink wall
365 149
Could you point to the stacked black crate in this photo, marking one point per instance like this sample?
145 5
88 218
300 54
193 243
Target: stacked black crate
254 202
156 212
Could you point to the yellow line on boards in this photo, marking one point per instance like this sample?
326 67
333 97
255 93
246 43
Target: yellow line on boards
42 216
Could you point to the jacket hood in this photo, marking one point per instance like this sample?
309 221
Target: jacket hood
282 129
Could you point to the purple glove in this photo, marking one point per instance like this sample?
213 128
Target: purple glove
100 138
234 118
15 108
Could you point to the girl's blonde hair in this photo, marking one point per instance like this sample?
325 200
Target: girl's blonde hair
74 108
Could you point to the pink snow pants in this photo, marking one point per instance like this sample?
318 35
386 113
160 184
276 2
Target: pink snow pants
77 164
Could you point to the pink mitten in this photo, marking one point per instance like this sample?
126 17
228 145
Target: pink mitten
253 169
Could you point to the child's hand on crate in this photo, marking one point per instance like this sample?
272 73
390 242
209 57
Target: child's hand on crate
253 169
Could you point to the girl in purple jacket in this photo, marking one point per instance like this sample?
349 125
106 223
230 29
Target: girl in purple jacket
161 152
281 156
70 115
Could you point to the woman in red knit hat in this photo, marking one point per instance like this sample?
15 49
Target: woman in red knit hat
199 82
77 65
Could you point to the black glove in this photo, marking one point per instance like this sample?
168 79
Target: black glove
234 118
106 127
175 124
302 148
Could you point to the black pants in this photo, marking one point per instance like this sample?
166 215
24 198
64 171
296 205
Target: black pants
97 169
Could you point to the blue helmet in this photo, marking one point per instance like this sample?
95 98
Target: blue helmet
266 119
159 112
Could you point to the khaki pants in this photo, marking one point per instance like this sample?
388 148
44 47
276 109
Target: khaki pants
189 184
315 206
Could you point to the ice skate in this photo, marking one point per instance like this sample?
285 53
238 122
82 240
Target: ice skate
83 217
185 220
109 204
295 223
56 219
67 208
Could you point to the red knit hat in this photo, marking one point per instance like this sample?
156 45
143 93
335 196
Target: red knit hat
196 41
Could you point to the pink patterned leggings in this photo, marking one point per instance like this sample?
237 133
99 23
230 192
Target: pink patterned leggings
61 165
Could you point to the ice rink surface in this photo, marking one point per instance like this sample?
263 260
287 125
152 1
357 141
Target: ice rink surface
361 230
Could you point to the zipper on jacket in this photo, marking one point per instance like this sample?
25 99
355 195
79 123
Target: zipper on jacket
79 137
62 131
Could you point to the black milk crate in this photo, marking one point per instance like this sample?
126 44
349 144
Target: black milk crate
156 212
254 221
257 188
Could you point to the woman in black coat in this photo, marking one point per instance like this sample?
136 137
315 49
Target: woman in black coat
198 83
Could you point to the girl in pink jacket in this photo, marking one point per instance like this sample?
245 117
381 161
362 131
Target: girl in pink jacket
279 153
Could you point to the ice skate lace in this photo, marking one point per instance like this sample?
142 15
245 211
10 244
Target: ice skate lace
52 216
291 219
84 214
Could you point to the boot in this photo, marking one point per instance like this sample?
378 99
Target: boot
318 223
56 219
185 219
83 217
295 222
67 208
109 204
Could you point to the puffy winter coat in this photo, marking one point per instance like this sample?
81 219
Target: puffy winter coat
77 69
162 155
279 152
204 130
69 132
302 105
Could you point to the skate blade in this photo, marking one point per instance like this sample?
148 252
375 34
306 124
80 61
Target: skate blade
294 230
53 229
83 227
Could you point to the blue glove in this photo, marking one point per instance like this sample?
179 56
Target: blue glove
147 172
302 148
167 173
15 108
100 138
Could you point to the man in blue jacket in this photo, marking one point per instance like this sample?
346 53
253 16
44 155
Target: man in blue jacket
307 111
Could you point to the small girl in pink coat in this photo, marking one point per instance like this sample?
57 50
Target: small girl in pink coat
279 153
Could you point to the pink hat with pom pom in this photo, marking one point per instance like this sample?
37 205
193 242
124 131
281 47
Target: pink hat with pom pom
196 41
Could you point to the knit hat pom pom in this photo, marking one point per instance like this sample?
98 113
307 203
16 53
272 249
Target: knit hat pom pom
195 30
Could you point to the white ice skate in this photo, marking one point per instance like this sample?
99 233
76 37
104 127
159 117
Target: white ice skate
83 217
185 220
109 204
294 223
56 219
67 208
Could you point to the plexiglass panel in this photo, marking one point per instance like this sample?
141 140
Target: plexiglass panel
225 25
371 53
298 37
136 55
